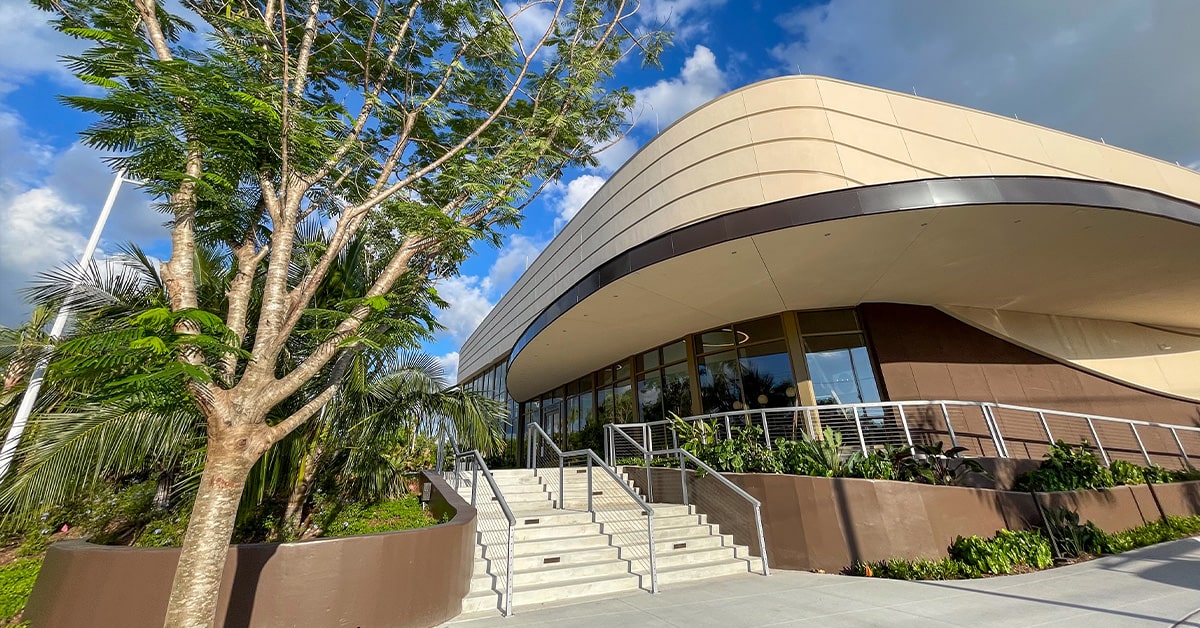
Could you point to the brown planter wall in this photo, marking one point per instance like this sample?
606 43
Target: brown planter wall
410 578
829 523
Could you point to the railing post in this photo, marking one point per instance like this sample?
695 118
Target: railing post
650 538
949 427
989 419
762 541
766 430
457 475
683 478
862 442
508 586
728 430
1141 446
1099 445
562 498
1046 426
646 457
1186 462
589 484
441 451
809 421
907 433
474 482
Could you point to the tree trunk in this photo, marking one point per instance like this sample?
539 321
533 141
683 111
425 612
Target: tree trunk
292 516
162 490
206 545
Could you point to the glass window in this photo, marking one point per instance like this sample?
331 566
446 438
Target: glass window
770 328
840 368
650 396
676 352
719 389
827 321
624 410
605 377
677 389
717 340
766 374
648 361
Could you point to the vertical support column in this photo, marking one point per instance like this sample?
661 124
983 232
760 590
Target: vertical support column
1099 445
862 442
766 429
562 498
1141 446
683 477
1183 452
474 482
646 457
1046 427
907 433
989 418
949 427
591 509
728 430
812 431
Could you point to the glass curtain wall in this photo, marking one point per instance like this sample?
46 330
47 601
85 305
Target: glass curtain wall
744 366
663 383
493 384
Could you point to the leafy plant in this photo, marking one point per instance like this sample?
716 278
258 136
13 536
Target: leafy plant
16 583
933 464
404 513
915 569
1126 473
1067 468
745 451
1003 552
1155 474
1073 538
821 457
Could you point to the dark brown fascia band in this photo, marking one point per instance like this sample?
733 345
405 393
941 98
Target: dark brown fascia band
862 201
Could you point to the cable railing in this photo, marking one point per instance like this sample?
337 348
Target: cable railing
703 487
984 428
495 524
584 481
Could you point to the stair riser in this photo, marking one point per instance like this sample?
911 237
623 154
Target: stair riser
621 584
528 563
534 577
700 573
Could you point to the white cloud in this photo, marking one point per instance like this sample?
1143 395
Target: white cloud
468 304
616 154
700 80
30 46
48 204
450 366
530 20
567 199
678 16
515 256
1096 69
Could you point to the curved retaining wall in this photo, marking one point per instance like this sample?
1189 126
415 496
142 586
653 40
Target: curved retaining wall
409 578
829 523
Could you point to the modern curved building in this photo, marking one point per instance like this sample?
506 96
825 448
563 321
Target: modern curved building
807 241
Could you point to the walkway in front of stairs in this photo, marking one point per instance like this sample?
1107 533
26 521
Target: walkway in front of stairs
1153 586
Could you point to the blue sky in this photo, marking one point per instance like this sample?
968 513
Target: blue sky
1121 70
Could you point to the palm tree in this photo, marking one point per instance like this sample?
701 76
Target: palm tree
110 411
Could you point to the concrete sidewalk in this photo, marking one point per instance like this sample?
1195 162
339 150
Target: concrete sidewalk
1154 586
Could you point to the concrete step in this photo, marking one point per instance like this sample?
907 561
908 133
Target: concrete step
669 575
706 555
543 593
559 557
551 573
549 546
635 547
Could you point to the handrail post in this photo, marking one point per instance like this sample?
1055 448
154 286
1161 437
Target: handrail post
766 430
907 433
762 541
683 479
508 586
562 498
1186 461
1046 427
591 509
474 482
949 427
1141 446
728 430
646 458
650 538
989 419
862 442
1099 445
809 420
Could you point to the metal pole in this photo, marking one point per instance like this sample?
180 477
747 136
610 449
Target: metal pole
1046 426
766 430
1186 461
646 458
809 421
990 420
653 565
1103 454
862 442
683 478
29 398
562 498
762 541
474 482
1141 446
949 428
591 509
508 586
907 434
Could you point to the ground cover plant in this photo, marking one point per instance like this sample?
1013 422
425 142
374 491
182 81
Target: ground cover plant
1018 551
1077 467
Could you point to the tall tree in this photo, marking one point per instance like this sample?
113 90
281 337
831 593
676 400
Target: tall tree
431 123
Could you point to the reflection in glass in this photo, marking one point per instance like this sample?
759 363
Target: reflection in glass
766 374
650 396
840 369
675 352
677 389
719 390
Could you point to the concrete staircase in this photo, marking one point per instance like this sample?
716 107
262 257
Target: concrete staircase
562 554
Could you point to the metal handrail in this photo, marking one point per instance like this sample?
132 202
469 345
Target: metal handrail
593 461
479 464
754 502
858 411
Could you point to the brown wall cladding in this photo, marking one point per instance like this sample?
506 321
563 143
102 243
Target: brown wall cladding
829 523
409 578
926 354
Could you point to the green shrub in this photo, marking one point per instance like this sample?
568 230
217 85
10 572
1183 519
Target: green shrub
877 465
639 461
1155 474
1075 539
164 530
404 513
1126 473
34 543
916 569
1067 468
1002 553
16 582
1154 533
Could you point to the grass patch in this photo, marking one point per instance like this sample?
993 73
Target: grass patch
16 583
404 513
